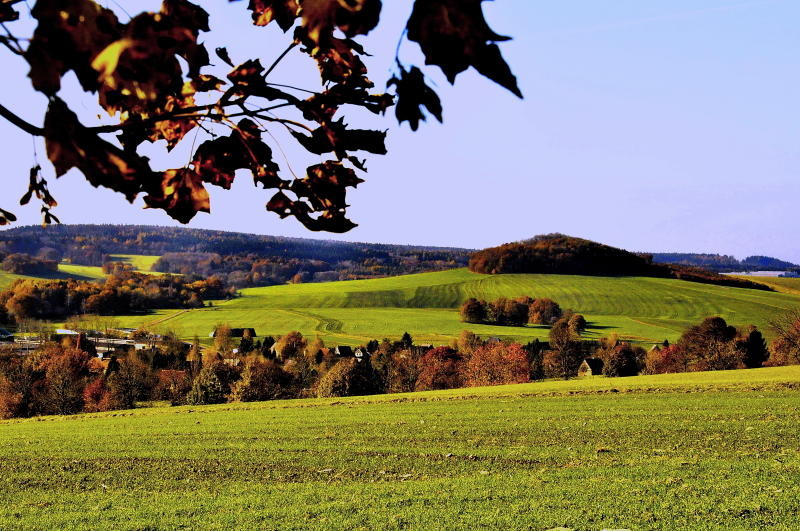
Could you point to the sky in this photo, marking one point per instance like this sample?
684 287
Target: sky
659 125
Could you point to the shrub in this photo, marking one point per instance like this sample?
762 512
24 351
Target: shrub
663 360
440 368
261 380
173 385
206 388
402 372
497 364
349 377
623 361
544 312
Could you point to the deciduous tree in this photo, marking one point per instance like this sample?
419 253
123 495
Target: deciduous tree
154 77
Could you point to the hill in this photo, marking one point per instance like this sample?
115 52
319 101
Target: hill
699 450
724 263
567 255
426 304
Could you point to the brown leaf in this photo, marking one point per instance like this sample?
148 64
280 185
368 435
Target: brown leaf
335 137
181 194
69 34
71 145
353 17
284 12
454 35
6 217
248 79
412 94
140 71
216 161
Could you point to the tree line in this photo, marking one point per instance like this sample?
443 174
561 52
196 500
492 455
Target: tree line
123 292
62 378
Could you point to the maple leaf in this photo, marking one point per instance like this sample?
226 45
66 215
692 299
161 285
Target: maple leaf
140 71
454 35
412 94
181 194
216 161
322 193
71 145
284 12
337 138
69 34
352 17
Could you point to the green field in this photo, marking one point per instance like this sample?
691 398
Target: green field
141 262
352 312
700 451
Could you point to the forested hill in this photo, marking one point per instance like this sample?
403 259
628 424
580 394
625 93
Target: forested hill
241 259
562 254
724 263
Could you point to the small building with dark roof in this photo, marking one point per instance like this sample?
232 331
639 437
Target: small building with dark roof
591 367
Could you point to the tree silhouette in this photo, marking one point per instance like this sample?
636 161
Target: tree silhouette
152 76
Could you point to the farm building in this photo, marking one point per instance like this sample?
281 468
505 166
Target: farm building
591 367
343 351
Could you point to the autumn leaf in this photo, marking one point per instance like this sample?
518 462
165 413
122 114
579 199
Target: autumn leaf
320 203
181 194
352 17
69 35
337 138
6 217
216 161
412 94
71 145
284 12
454 35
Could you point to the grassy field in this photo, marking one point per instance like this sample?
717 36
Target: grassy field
141 262
700 451
784 285
352 312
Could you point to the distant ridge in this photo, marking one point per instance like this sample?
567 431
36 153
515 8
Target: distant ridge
724 263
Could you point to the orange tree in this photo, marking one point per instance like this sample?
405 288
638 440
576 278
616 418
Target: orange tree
153 76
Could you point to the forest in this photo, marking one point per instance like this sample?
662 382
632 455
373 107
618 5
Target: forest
123 292
242 260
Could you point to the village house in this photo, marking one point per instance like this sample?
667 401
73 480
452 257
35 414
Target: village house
591 367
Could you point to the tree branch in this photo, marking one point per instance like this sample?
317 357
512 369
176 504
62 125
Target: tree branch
19 122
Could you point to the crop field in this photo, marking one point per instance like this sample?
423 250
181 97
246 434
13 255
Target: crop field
352 312
701 451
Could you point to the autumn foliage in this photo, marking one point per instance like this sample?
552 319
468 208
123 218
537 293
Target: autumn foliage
153 75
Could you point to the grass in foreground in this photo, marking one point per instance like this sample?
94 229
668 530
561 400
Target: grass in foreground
705 450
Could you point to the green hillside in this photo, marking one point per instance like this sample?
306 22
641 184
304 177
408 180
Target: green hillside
690 451
141 263
351 312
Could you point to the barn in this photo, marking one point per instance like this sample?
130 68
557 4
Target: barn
591 367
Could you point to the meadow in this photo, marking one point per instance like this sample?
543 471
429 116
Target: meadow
141 263
700 451
353 312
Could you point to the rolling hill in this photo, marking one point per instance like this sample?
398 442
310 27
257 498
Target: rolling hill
352 312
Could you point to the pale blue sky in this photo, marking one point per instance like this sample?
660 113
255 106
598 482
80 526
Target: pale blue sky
651 125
